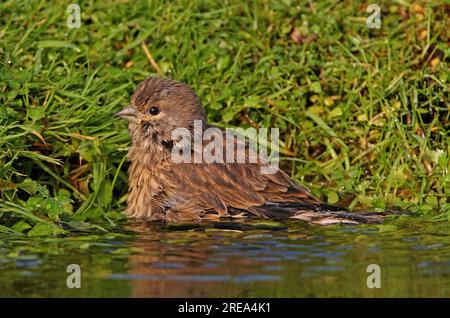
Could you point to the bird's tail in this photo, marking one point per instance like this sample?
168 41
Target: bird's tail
323 214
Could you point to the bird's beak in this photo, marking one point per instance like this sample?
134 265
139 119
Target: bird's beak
128 113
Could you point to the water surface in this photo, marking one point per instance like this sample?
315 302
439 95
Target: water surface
267 260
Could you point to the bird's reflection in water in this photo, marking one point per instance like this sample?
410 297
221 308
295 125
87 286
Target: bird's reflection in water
186 261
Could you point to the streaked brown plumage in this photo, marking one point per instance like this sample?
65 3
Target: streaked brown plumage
160 189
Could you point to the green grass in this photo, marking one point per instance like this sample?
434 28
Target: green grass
363 113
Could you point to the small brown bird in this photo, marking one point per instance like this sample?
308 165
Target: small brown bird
161 189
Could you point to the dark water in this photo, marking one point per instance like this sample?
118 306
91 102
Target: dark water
267 261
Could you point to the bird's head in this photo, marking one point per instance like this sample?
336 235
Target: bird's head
159 106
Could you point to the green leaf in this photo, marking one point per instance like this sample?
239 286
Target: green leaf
332 197
431 200
36 113
115 215
28 185
104 195
84 226
57 44
41 230
64 200
336 112
93 213
321 123
223 62
315 87
21 226
228 115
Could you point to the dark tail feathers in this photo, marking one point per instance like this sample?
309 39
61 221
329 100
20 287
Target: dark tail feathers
323 214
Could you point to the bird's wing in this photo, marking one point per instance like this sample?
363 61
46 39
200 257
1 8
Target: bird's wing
225 188
228 188
213 190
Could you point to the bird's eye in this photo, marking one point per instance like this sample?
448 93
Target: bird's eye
153 111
